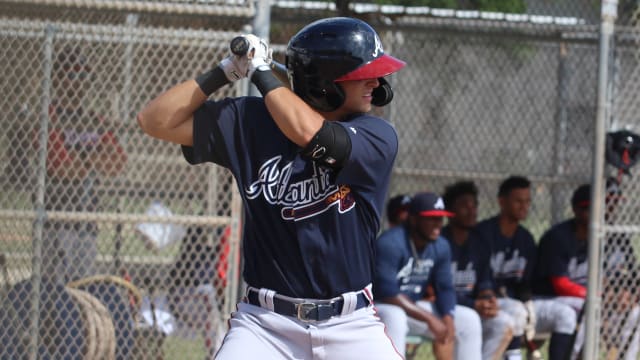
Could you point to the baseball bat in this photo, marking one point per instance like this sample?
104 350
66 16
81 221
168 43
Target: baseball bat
239 46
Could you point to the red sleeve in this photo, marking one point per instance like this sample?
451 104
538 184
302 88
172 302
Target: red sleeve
563 286
57 156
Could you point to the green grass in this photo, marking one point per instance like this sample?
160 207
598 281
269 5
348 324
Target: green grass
184 349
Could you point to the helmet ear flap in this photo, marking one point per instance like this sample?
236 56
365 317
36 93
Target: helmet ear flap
383 94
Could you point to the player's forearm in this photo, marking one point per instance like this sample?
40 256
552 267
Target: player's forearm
297 120
170 115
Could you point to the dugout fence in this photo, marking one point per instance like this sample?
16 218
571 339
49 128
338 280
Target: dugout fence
485 95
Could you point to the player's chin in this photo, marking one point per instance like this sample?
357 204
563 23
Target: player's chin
366 106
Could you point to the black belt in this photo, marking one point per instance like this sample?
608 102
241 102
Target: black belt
308 309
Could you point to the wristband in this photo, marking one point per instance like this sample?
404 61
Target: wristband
212 80
265 81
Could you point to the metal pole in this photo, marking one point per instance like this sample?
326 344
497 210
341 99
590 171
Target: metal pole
592 313
261 26
125 111
557 201
41 214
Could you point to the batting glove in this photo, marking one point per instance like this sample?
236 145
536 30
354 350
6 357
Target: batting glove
258 55
234 67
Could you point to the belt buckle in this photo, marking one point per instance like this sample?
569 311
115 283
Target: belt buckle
304 309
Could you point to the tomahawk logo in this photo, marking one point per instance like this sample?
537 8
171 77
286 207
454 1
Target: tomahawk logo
377 51
299 199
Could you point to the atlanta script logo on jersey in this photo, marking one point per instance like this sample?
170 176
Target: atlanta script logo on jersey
508 268
300 199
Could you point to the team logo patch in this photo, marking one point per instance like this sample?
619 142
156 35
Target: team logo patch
299 199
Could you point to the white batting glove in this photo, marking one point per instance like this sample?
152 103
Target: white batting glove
259 54
235 67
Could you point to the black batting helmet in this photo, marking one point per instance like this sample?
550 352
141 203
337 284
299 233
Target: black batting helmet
622 149
332 50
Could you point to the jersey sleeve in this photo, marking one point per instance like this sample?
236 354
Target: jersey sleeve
554 258
387 258
213 122
374 146
531 254
443 281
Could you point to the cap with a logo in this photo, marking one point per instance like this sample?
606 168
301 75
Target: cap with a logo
428 204
398 203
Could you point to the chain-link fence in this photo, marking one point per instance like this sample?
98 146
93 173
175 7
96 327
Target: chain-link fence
620 275
111 244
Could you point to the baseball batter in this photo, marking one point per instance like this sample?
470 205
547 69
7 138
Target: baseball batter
410 258
313 170
509 249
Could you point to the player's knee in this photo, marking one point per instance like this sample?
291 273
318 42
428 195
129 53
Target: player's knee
467 322
394 318
565 319
505 323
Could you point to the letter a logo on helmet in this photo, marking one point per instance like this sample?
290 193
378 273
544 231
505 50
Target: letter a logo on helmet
332 50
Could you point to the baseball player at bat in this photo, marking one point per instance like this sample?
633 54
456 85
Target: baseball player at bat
509 250
409 258
313 170
473 289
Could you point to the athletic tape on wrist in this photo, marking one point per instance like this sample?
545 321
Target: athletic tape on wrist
265 81
212 80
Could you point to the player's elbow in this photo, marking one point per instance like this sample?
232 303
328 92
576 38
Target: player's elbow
149 124
143 122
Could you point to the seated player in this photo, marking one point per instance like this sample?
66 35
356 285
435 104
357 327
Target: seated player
410 258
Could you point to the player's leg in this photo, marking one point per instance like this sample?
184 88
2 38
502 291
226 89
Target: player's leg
576 304
256 333
359 335
468 330
496 335
559 319
517 311
395 320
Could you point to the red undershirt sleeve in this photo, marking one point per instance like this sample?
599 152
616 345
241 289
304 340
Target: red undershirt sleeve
563 286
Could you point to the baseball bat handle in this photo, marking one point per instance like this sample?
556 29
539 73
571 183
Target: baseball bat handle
239 46
280 72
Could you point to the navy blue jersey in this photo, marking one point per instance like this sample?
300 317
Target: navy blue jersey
464 269
512 260
398 272
308 230
560 253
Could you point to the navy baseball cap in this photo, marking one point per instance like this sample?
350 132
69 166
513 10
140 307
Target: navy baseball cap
581 196
428 204
398 203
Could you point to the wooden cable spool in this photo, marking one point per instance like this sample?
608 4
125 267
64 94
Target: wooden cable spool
102 345
99 329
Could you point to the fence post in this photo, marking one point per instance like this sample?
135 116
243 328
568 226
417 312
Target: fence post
36 277
592 313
